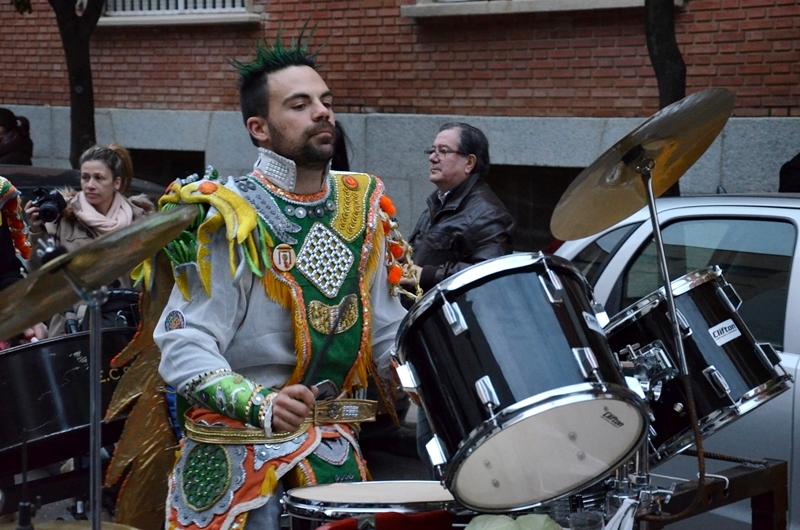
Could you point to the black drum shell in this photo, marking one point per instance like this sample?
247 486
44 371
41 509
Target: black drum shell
46 385
703 305
515 335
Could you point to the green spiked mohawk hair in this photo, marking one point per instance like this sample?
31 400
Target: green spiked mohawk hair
253 76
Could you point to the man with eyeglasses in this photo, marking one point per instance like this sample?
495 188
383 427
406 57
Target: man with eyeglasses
465 222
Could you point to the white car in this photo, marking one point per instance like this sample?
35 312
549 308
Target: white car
754 240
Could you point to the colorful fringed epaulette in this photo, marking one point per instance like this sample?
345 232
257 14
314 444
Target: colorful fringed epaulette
11 214
399 265
218 207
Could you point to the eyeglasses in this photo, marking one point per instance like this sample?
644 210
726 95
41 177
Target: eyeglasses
442 151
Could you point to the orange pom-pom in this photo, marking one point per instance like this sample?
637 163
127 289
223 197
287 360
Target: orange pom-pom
396 250
388 206
387 227
395 274
207 188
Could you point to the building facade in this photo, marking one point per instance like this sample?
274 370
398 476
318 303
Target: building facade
554 83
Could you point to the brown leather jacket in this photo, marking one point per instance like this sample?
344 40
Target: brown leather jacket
473 225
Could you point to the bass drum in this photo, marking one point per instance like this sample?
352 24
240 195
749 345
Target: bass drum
518 382
730 373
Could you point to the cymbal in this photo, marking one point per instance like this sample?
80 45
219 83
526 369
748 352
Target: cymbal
611 189
47 290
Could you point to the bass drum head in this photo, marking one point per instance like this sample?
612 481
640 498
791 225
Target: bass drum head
548 449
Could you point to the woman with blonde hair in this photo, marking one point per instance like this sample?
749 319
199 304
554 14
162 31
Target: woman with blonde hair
100 207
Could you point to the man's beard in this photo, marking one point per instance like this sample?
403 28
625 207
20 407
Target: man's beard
307 154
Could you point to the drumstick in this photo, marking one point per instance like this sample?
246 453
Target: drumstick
326 345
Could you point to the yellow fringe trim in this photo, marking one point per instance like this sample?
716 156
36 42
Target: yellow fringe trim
252 250
287 294
270 482
143 272
302 352
357 376
277 291
204 235
375 257
232 256
182 282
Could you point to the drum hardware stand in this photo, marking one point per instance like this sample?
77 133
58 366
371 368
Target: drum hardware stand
637 158
26 509
49 250
94 298
644 166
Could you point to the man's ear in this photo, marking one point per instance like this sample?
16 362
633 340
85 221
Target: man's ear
257 127
472 161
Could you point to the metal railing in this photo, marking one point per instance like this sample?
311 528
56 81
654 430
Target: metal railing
173 7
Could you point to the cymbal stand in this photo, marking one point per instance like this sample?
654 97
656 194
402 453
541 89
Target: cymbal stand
644 166
26 510
94 298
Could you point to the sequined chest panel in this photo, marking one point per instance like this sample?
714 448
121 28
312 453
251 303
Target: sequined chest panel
318 244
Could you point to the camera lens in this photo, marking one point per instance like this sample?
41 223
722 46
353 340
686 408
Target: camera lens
50 203
49 211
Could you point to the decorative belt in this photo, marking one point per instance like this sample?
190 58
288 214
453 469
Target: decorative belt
325 412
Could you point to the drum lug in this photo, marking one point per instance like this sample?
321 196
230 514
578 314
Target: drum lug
487 395
717 381
729 296
552 289
768 353
408 377
436 454
683 323
587 362
454 317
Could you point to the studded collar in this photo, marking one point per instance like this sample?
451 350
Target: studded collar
279 170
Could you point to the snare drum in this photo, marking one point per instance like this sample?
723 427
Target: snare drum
313 506
730 373
518 382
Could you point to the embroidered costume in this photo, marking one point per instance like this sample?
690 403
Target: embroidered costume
273 289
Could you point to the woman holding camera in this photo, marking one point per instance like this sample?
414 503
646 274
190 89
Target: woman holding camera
99 208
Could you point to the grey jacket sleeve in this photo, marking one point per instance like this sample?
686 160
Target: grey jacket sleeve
386 316
194 335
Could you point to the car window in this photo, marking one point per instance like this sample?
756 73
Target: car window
593 259
755 257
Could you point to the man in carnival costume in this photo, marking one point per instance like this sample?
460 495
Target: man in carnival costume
289 280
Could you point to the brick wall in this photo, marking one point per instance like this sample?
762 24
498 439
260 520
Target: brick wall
591 63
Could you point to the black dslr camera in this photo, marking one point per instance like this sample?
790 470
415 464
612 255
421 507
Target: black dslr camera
50 203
